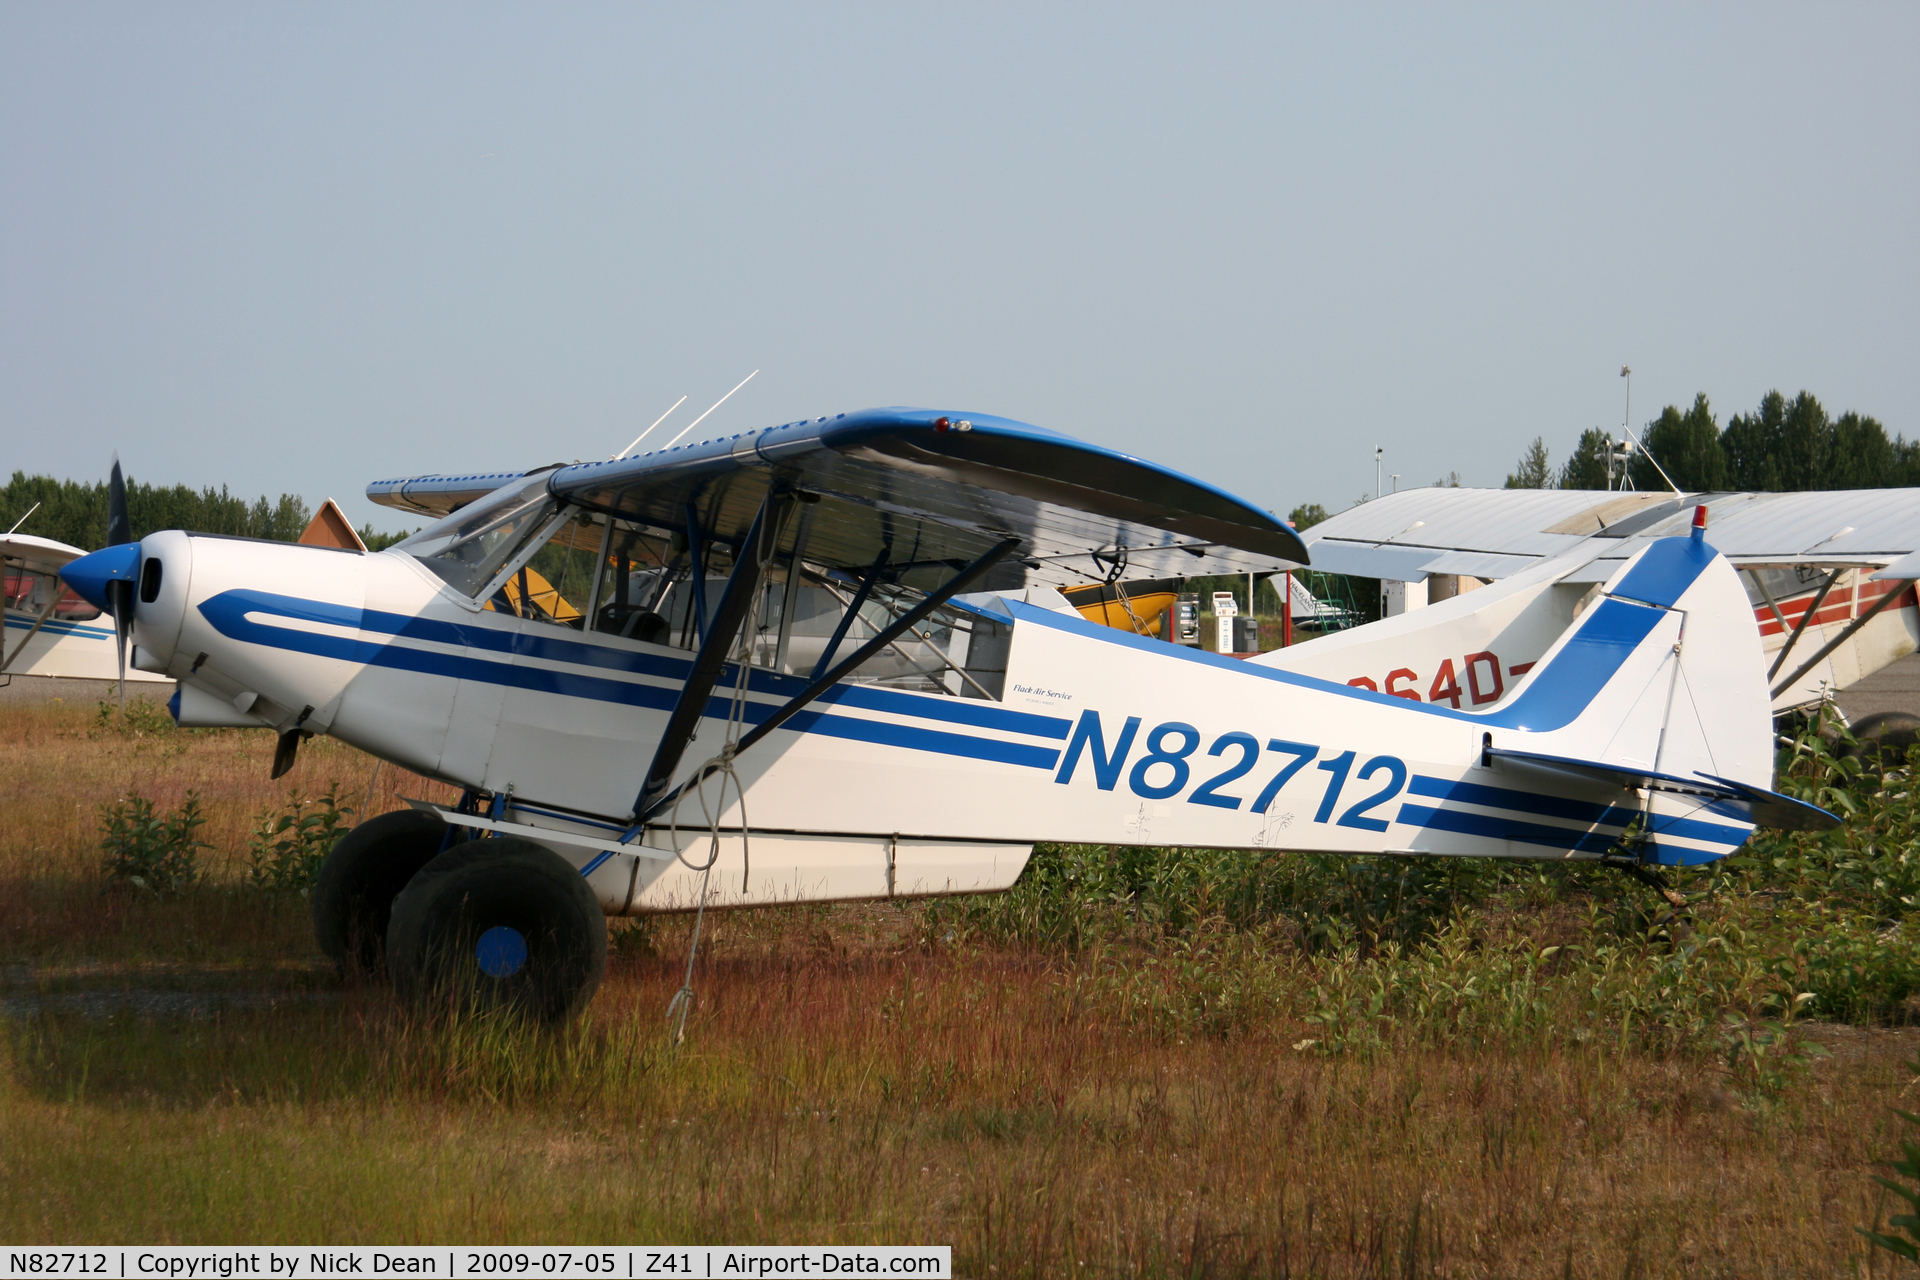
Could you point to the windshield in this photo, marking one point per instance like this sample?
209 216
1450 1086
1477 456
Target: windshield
468 547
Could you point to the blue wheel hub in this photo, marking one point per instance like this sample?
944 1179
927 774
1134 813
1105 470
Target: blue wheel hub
501 952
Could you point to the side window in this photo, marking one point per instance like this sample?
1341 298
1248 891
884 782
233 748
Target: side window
555 584
636 593
468 549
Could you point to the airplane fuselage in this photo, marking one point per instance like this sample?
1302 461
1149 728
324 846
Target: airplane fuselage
1098 736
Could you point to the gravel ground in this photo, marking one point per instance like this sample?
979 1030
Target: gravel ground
88 692
1892 688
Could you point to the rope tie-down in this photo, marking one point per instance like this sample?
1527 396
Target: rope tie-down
729 637
721 766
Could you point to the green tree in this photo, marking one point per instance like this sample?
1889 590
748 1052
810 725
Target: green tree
1805 445
76 512
1789 445
1862 457
1687 445
1306 515
1533 472
381 541
1751 443
1906 463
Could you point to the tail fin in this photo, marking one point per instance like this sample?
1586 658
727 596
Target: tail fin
1661 687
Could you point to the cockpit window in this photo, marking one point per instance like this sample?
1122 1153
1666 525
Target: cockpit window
470 546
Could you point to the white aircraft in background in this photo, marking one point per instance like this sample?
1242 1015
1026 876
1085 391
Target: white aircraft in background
1828 576
52 632
830 660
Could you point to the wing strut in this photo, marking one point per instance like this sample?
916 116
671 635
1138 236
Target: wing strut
1899 588
853 610
1805 618
697 576
53 602
653 802
736 601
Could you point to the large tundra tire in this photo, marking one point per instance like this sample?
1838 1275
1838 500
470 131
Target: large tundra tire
353 895
499 923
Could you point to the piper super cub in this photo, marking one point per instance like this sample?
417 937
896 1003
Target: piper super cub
830 660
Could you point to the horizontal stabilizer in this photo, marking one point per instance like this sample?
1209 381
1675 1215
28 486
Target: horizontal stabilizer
1760 807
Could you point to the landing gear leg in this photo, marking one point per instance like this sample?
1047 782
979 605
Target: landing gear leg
1658 883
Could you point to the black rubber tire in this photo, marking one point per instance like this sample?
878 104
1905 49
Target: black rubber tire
1887 734
353 895
441 918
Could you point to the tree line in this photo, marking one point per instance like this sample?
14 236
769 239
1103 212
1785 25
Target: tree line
74 512
1782 446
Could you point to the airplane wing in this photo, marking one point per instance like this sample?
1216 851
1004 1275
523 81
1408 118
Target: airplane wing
925 490
1828 573
38 555
1495 533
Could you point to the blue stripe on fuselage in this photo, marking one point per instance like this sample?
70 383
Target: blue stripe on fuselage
1496 828
227 612
1595 815
54 627
1523 801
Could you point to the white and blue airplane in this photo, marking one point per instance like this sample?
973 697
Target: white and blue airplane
829 660
50 631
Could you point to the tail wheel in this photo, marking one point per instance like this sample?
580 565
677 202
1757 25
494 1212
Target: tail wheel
499 923
353 896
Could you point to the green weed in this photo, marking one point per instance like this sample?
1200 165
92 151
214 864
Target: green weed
144 716
149 852
286 849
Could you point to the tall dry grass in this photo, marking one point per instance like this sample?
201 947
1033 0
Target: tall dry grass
184 1070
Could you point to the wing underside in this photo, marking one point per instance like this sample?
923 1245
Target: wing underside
922 492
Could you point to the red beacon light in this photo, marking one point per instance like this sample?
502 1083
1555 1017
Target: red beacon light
1699 522
941 424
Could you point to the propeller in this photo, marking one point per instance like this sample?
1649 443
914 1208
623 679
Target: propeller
119 591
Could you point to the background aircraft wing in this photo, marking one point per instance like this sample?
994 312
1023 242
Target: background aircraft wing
40 555
1493 533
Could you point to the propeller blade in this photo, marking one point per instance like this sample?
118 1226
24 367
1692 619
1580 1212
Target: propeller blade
122 629
120 532
119 527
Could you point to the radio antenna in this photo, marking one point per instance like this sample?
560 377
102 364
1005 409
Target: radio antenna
36 506
643 435
716 404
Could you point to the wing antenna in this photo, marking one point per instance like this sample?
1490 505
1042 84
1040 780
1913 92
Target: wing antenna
36 506
643 435
716 404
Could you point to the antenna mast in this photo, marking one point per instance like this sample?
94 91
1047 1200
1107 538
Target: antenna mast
716 404
36 506
643 435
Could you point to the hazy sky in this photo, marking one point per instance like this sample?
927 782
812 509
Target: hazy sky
290 247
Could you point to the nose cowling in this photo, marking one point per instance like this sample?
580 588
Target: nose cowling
92 574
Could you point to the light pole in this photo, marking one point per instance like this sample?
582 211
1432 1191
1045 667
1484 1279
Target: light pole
1378 453
1626 419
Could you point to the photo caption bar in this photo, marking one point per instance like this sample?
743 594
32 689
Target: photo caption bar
460 1262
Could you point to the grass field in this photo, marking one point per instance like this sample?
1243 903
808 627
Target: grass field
1138 1062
